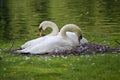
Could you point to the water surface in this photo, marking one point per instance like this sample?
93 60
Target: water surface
98 19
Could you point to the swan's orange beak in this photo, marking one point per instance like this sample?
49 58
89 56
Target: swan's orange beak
79 38
41 32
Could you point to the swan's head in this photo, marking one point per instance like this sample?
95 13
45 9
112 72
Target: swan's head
41 31
44 25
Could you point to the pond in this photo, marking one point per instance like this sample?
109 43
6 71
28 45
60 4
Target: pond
98 19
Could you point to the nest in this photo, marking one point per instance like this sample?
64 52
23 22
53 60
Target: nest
87 48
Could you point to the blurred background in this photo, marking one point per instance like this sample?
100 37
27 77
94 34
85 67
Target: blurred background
98 19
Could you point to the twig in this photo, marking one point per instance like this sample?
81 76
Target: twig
1 50
12 44
0 58
117 42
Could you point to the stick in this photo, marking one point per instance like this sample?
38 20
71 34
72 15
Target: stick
1 49
117 42
12 44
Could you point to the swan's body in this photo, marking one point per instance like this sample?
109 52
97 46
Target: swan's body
44 25
55 31
61 41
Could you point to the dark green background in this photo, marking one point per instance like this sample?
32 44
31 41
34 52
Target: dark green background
98 19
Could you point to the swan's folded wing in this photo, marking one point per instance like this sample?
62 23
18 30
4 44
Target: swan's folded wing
33 42
48 45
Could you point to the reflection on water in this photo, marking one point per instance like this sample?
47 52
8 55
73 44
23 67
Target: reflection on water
97 18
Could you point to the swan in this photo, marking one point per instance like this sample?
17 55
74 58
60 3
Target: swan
42 27
61 41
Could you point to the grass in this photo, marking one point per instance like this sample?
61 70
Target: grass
84 67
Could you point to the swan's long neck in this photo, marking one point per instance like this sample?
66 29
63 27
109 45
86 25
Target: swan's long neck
70 28
55 30
50 24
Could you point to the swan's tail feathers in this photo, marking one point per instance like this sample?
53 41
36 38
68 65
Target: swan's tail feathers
21 52
26 45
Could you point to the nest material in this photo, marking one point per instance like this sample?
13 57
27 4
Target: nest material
87 48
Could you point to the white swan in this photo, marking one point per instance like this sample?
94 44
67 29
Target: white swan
42 27
61 41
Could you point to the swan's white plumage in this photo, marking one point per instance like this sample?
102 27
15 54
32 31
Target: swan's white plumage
39 40
62 41
33 42
49 44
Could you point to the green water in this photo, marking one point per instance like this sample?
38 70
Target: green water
98 19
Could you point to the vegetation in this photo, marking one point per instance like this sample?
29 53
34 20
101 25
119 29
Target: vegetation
84 67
